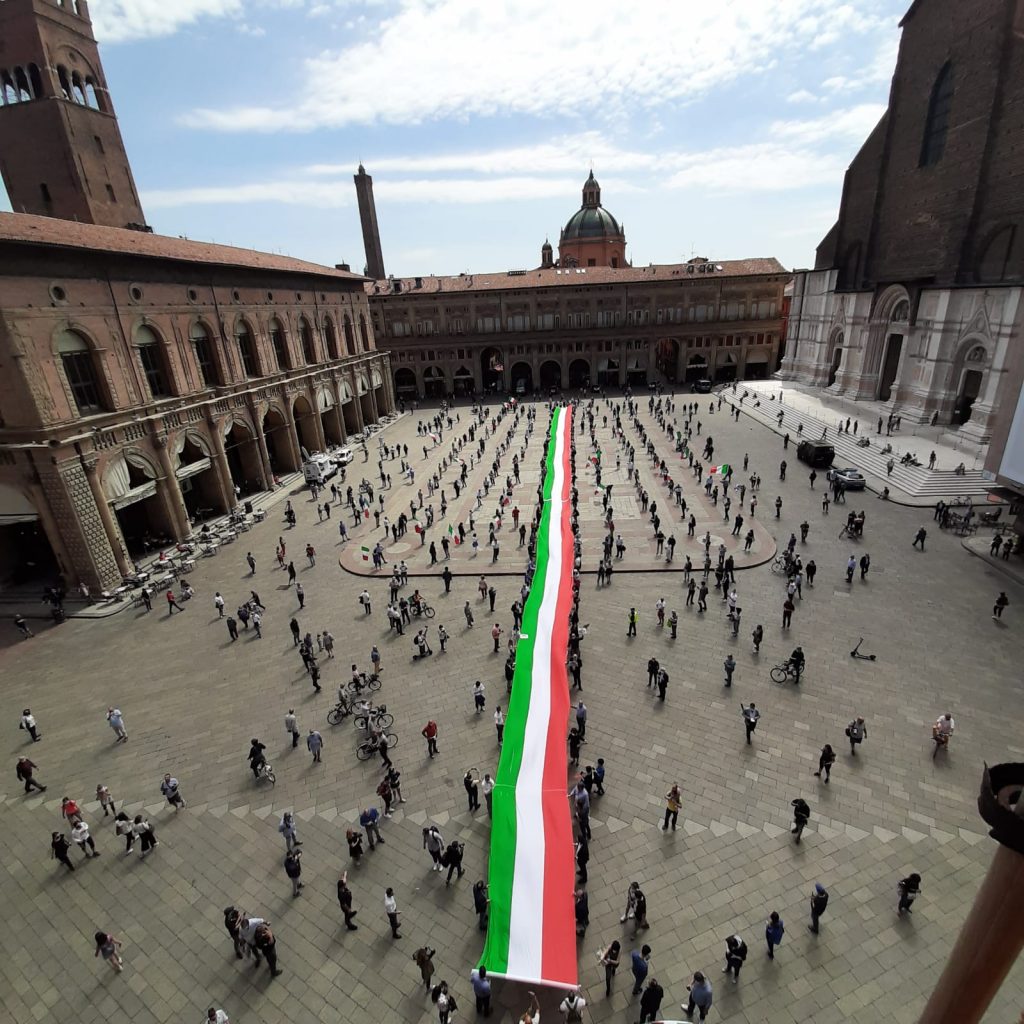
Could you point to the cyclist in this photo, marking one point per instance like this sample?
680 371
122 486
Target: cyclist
942 730
796 663
416 602
256 758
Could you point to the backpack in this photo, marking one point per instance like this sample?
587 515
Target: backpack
573 1011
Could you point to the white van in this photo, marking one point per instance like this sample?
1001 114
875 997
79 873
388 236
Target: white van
342 456
318 469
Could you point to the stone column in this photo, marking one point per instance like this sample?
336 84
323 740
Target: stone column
318 423
111 527
373 400
261 445
389 384
357 399
170 491
50 528
293 434
220 464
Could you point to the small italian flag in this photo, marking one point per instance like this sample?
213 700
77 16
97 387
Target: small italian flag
531 934
723 469
366 554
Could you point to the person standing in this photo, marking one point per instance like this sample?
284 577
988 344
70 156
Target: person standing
232 628
291 726
610 959
252 563
639 965
293 869
787 612
354 839
469 615
145 833
59 847
429 732
735 954
105 799
107 946
488 790
28 723
673 801
632 620
730 667
218 603
315 743
856 731
424 960
264 942
801 815
472 787
481 990
909 889
581 721
345 902
116 720
701 996
826 759
480 903
170 789
774 929
819 901
391 910
287 829
650 1001
479 697
433 843
233 924
751 716
499 723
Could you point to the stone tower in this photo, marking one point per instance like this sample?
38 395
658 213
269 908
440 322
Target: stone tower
61 152
368 219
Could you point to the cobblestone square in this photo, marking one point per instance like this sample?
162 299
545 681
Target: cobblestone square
192 699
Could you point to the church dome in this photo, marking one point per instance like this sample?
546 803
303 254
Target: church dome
591 222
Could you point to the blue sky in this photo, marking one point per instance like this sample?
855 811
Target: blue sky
718 129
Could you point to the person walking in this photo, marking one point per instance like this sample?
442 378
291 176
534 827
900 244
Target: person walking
369 818
391 910
345 902
433 843
919 538
232 628
787 612
24 771
751 716
909 889
107 946
264 943
252 563
468 611
997 609
801 815
757 636
145 833
172 603
499 723
314 743
106 801
116 721
291 726
610 960
650 1001
287 829
673 801
23 627
28 723
293 869
171 790
819 901
735 954
826 759
701 996
774 929
639 965
856 731
59 847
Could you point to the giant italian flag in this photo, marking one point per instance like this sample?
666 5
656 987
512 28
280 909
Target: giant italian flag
531 936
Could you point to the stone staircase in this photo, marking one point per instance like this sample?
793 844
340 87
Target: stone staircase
918 483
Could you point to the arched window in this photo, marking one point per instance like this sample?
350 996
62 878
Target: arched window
331 338
21 81
7 90
77 89
91 96
153 364
202 345
35 80
350 344
306 338
936 124
246 349
79 362
277 339
363 337
65 82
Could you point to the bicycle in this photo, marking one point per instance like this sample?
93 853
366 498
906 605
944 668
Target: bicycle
368 748
339 712
941 740
266 772
422 610
378 718
780 564
784 672
371 682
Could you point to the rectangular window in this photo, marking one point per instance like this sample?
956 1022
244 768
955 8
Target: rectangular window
44 190
204 357
99 143
154 371
79 370
110 193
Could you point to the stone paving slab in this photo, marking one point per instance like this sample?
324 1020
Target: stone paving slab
192 700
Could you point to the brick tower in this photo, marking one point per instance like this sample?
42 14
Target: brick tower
368 218
61 152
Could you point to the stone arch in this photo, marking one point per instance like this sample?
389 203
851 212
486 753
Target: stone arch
278 439
834 355
302 413
330 338
435 383
971 366
889 327
306 341
666 356
376 380
579 373
463 382
550 375
405 383
521 377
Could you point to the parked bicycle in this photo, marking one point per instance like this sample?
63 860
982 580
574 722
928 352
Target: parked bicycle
369 747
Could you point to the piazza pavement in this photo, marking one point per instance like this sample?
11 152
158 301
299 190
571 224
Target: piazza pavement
192 700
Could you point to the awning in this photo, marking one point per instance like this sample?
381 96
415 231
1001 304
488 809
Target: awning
15 507
193 468
141 493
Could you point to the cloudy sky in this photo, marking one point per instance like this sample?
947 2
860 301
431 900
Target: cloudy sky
719 129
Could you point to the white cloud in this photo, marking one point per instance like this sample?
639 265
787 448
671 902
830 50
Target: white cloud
855 124
761 167
118 21
438 59
801 96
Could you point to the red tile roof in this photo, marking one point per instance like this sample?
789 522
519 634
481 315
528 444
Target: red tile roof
66 234
661 272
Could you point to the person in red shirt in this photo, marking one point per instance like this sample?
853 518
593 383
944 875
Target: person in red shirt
172 604
430 732
70 810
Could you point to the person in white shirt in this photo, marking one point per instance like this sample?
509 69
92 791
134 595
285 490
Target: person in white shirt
488 787
247 930
80 836
532 1015
215 1016
479 699
28 723
391 909
499 723
572 1006
116 720
945 725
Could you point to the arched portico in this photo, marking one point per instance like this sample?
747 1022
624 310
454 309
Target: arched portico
550 375
303 414
579 374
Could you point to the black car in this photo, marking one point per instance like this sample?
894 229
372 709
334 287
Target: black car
703 387
816 453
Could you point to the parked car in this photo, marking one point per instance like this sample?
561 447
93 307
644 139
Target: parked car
850 478
342 456
816 453
703 387
318 469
